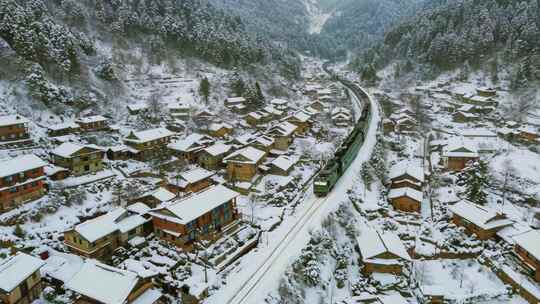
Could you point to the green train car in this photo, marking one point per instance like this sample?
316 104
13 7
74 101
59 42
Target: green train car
345 154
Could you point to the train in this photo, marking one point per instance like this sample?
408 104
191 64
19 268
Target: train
334 168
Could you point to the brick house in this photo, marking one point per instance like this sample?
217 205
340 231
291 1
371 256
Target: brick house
211 158
479 220
93 123
406 199
406 174
78 159
21 180
13 128
283 134
99 237
242 165
95 282
527 248
382 252
457 154
149 144
20 279
188 149
193 180
203 215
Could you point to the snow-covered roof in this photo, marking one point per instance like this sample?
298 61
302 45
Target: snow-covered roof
118 219
193 141
149 296
67 149
457 147
479 132
301 116
63 126
250 155
284 162
137 107
235 100
141 208
218 149
62 266
192 207
15 269
9 120
407 192
218 126
284 128
104 283
411 168
373 243
530 241
265 140
148 135
481 216
20 164
278 102
90 119
338 110
196 175
177 106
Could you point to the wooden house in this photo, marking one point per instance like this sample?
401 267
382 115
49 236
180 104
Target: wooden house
211 158
188 149
236 104
282 165
20 279
149 144
204 117
99 237
341 117
242 165
264 143
463 117
258 118
280 104
78 159
193 180
156 197
178 110
203 215
486 92
301 120
283 134
220 130
21 180
457 154
479 220
406 174
406 199
14 128
62 129
382 252
528 134
318 105
93 123
388 126
527 249
274 113
96 282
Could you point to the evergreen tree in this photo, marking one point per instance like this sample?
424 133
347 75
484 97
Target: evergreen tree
259 94
475 180
237 85
204 89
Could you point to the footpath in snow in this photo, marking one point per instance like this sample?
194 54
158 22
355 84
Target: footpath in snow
262 269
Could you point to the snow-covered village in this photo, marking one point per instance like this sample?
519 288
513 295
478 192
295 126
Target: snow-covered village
306 151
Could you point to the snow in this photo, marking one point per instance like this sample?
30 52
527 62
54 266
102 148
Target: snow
62 266
101 226
150 296
251 156
91 119
218 149
10 120
530 241
67 149
190 143
162 194
20 164
409 167
192 207
148 135
14 270
285 128
373 243
407 192
103 283
284 162
196 175
481 216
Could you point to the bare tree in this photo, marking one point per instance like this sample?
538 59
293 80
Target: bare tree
154 106
508 171
525 102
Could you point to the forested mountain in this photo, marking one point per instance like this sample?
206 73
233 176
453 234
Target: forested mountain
357 24
465 32
68 42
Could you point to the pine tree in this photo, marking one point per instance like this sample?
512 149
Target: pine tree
259 94
18 231
204 89
475 180
237 85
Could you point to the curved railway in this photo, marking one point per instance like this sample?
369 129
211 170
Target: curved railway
349 149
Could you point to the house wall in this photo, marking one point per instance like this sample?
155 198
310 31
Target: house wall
458 163
93 126
99 249
16 296
14 196
406 204
282 143
80 165
241 171
14 132
371 268
529 259
210 162
472 228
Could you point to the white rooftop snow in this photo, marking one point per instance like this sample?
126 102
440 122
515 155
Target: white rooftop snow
481 216
20 164
530 241
90 119
14 270
218 149
373 243
62 266
117 219
196 175
411 168
9 120
407 192
284 162
251 155
149 135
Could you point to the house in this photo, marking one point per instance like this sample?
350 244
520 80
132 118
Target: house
458 153
341 117
274 113
236 104
283 135
203 117
21 180
55 173
211 158
479 220
178 110
264 143
403 121
203 215
528 134
96 282
388 126
121 152
20 279
527 248
220 130
382 252
282 165
367 298
406 174
62 129
242 164
136 109
149 144
14 128
78 159
258 118
188 149
486 92
463 117
280 104
193 180
406 199
318 105
301 120
99 237
324 94
92 123
156 197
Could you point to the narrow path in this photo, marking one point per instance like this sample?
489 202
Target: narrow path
269 264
